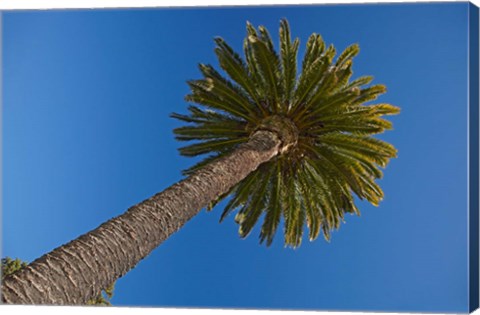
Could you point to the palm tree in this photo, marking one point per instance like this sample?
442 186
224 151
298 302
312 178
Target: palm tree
281 145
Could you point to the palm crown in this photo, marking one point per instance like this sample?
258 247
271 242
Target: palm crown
328 151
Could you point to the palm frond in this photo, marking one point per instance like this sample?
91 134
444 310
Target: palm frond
274 206
248 216
216 145
347 55
267 64
288 52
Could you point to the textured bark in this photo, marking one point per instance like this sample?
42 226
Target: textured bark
77 271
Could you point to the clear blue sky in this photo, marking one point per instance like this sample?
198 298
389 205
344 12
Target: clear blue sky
87 133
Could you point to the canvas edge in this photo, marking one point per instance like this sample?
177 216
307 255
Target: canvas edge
473 95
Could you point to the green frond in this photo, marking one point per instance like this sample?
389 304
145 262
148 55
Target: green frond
330 53
268 66
360 81
325 88
313 216
200 116
358 177
385 109
212 131
314 50
369 94
315 82
294 214
363 126
274 207
370 190
251 31
343 76
356 127
217 145
257 80
321 107
325 186
369 162
248 216
288 52
341 170
356 123
242 192
265 38
362 144
336 110
254 70
309 80
347 55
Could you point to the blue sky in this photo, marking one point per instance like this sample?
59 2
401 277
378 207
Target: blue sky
86 134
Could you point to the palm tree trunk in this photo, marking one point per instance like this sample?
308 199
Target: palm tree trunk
77 271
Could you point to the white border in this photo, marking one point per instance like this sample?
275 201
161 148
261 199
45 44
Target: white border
66 4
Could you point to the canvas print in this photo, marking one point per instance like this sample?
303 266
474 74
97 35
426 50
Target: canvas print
301 157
